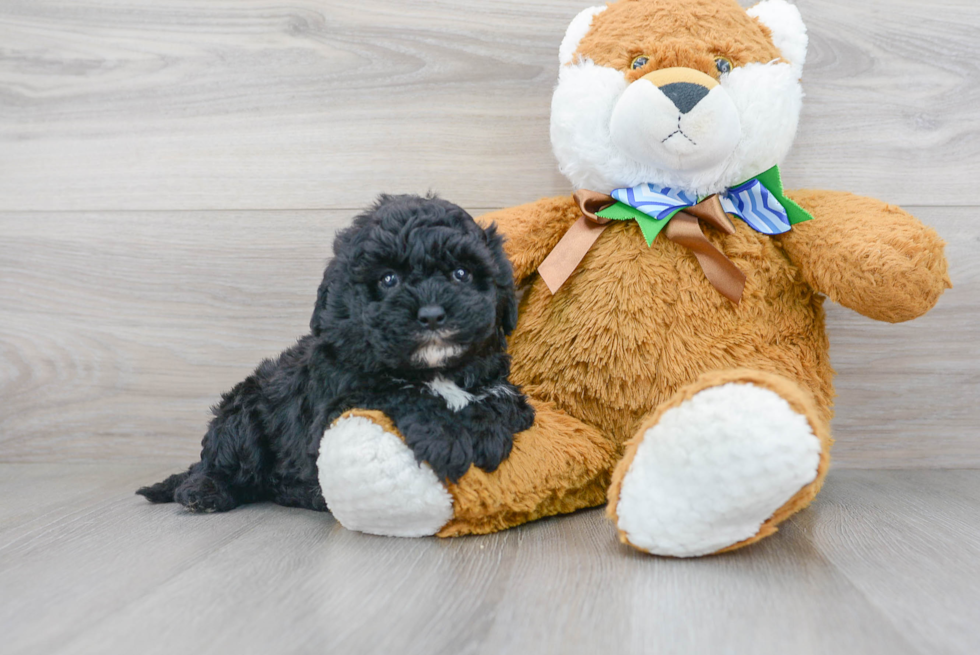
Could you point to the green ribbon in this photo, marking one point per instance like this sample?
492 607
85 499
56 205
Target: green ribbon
771 179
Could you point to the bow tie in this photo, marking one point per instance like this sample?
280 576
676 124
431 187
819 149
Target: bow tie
759 202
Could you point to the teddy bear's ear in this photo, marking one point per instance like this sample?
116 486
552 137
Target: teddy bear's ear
577 29
788 31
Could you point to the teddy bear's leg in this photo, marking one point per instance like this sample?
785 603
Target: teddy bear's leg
720 465
558 466
372 483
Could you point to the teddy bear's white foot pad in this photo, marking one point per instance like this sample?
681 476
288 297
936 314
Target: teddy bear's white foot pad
373 484
714 469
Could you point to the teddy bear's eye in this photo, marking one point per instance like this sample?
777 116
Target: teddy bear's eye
461 275
388 281
639 62
723 64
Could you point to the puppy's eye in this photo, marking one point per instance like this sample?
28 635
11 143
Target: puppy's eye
724 65
388 281
639 62
461 275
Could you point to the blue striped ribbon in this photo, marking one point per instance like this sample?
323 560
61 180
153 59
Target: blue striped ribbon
752 202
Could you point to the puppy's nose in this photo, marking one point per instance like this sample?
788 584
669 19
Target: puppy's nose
432 316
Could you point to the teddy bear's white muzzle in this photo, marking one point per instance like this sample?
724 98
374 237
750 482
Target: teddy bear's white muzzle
680 127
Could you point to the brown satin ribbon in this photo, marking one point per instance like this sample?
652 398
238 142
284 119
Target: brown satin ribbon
683 229
559 265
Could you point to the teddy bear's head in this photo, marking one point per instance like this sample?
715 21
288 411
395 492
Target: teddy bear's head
693 94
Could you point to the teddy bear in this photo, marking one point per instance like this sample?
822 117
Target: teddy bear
671 331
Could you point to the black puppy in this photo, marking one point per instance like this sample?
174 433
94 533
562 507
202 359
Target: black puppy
410 319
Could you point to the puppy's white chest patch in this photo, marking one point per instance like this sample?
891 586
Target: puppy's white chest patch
455 397
436 354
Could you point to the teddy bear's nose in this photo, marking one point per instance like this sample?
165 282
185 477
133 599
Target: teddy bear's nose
684 95
432 316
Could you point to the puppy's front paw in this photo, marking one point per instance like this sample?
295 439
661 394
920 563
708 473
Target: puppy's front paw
491 447
449 455
494 422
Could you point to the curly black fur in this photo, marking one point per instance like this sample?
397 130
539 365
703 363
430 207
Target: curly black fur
417 296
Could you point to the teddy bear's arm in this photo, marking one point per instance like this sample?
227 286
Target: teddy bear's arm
867 255
532 231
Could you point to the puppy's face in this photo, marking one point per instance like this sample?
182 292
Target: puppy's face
415 283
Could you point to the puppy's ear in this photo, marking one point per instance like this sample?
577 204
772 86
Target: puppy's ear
503 279
336 271
321 313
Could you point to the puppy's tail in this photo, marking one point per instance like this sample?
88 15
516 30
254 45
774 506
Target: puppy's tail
163 492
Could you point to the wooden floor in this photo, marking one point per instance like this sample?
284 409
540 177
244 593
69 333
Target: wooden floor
171 176
885 562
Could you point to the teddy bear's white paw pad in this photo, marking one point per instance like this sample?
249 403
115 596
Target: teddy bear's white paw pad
373 484
714 469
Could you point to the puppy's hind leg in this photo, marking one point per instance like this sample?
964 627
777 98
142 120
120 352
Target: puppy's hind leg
306 495
163 492
233 456
194 490
203 493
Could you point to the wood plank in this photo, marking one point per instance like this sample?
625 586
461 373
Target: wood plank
560 587
98 557
119 330
908 542
324 590
600 596
123 576
266 104
36 496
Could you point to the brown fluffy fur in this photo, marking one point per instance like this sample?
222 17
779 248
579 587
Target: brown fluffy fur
635 323
638 329
558 466
698 33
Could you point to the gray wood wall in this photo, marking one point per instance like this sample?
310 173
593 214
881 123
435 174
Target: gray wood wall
172 171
